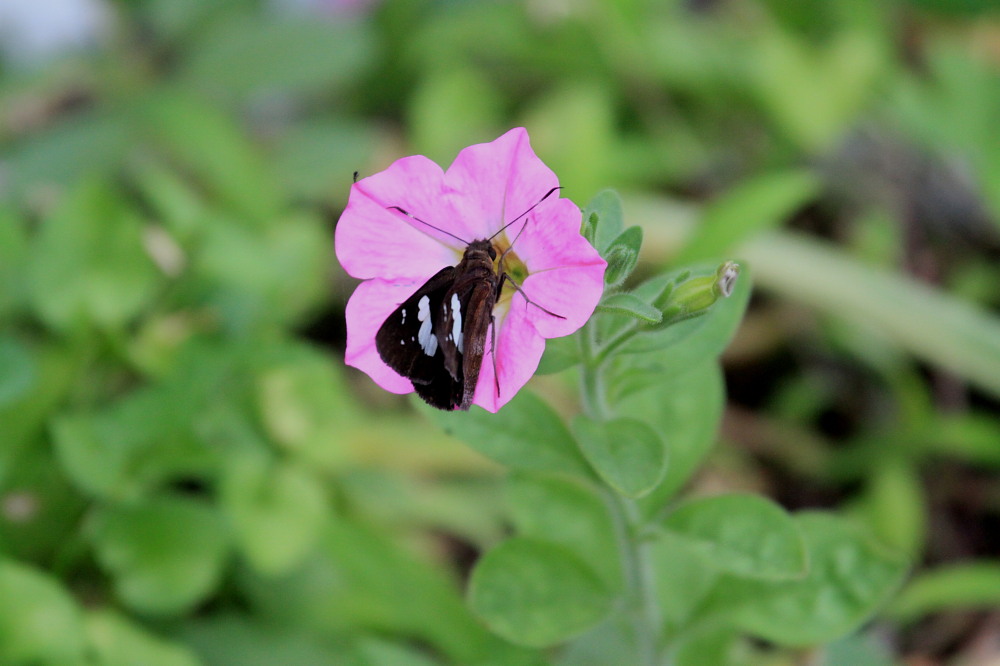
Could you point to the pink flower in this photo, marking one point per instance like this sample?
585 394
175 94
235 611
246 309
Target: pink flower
488 186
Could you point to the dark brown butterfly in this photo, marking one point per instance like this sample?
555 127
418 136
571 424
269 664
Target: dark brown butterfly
436 338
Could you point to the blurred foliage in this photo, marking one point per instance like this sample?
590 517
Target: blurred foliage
189 474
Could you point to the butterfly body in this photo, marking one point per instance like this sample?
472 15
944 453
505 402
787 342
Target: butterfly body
436 338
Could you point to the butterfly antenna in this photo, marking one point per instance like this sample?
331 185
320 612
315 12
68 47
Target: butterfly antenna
535 205
428 224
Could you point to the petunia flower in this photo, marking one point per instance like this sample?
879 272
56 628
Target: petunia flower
403 225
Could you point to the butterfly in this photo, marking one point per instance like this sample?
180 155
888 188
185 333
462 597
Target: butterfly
436 338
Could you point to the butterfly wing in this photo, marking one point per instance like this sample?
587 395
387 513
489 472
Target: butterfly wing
408 342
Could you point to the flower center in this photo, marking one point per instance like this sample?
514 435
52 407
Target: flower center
512 265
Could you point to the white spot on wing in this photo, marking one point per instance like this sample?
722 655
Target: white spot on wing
404 315
428 342
456 322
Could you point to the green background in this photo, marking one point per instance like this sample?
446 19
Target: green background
189 473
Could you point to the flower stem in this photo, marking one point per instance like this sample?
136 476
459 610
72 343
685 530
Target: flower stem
641 610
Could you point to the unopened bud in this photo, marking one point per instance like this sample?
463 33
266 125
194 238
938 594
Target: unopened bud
688 297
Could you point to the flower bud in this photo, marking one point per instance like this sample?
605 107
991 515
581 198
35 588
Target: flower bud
688 297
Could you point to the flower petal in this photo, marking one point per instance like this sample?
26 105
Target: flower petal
552 238
367 309
518 350
490 184
371 240
571 292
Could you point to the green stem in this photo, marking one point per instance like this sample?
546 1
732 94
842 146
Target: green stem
614 343
641 606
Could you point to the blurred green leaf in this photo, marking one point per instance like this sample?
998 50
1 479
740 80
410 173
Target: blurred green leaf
114 640
849 578
572 129
858 650
560 354
14 258
303 403
39 510
277 511
228 639
894 507
165 555
215 149
39 621
567 512
265 277
957 586
361 580
89 264
627 453
929 323
18 370
714 645
315 158
762 202
536 593
255 53
528 435
174 202
84 145
813 93
745 535
452 108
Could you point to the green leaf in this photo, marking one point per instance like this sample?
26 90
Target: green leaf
684 578
276 510
567 512
631 306
685 410
745 535
560 354
606 207
849 578
89 263
959 586
536 593
115 640
165 555
39 621
713 645
761 203
627 453
528 434
622 256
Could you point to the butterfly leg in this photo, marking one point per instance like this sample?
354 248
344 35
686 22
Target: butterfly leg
527 300
493 353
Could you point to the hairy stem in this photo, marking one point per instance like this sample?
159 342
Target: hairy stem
641 610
